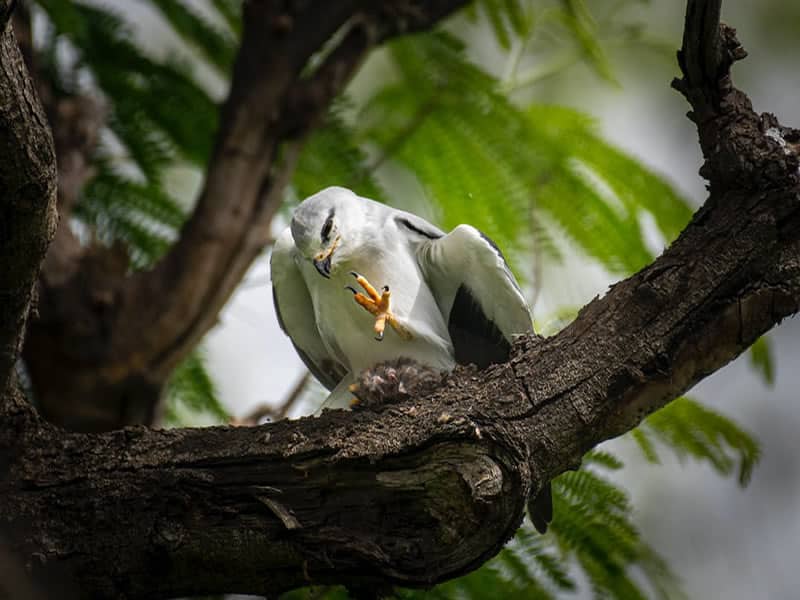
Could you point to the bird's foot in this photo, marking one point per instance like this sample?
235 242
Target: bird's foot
378 305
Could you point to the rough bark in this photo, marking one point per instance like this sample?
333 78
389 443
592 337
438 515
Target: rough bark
27 194
418 492
107 342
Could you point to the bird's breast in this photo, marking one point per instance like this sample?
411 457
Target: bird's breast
346 328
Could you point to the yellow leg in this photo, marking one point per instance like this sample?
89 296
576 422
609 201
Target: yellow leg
378 305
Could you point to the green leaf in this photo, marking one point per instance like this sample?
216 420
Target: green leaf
690 429
231 11
597 194
141 215
332 156
155 93
190 387
646 445
541 556
592 525
633 184
577 19
506 18
603 459
216 46
317 592
148 148
762 360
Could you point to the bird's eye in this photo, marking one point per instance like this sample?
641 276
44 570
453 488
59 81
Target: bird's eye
326 229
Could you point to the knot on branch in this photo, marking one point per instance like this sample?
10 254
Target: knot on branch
731 49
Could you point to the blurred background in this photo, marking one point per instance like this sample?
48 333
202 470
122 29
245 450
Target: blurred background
552 127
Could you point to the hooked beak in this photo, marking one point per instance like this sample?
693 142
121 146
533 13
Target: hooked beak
323 265
322 261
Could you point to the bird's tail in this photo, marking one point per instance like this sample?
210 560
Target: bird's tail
540 508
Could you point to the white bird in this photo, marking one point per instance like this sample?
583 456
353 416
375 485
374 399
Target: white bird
444 299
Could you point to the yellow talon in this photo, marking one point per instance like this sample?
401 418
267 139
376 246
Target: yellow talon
378 305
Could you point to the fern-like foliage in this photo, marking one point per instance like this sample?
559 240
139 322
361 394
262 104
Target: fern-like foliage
217 45
508 18
333 156
503 169
191 396
762 360
150 131
690 429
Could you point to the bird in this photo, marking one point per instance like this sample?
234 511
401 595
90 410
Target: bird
356 282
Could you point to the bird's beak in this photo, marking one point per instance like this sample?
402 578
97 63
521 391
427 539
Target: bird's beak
323 265
322 261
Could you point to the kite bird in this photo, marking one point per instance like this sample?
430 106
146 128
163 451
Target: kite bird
356 283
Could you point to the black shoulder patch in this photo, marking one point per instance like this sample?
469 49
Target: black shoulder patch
476 339
431 235
490 241
502 256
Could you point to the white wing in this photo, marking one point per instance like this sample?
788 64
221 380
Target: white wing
296 313
477 294
484 308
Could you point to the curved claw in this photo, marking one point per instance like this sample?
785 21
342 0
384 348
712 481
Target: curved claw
379 337
351 288
354 274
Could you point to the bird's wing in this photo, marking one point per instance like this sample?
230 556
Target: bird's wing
296 313
483 306
477 294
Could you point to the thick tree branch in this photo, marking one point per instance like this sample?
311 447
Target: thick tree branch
27 194
418 492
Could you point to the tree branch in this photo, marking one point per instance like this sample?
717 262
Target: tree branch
27 195
6 12
424 490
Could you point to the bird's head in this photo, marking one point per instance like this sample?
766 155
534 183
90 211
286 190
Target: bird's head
319 226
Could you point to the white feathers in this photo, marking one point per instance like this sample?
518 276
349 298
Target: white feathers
445 289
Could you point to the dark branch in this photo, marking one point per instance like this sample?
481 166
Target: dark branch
27 197
6 12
